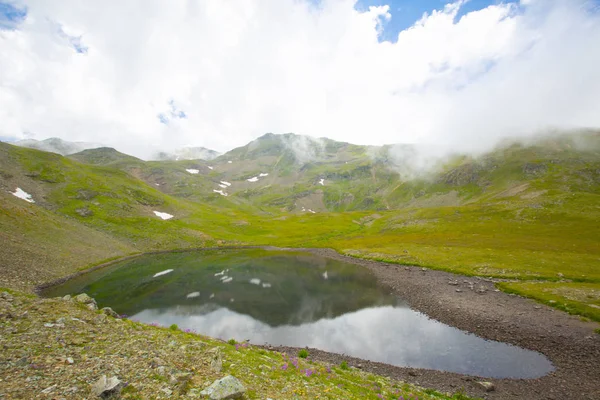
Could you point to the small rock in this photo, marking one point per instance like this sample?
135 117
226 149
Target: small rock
167 391
87 300
216 362
453 283
67 297
487 386
49 389
412 373
423 269
107 387
69 360
110 312
537 307
481 290
157 362
228 387
6 296
458 290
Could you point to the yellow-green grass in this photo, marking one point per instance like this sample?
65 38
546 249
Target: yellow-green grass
574 298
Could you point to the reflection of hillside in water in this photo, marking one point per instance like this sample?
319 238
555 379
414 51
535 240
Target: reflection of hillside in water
277 288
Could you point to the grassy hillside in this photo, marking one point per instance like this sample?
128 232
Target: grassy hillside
525 213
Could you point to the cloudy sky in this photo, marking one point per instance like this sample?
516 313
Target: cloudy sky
145 74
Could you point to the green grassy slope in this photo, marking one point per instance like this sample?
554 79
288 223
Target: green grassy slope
527 213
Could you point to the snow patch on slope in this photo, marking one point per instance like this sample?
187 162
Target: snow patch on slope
193 171
20 193
163 215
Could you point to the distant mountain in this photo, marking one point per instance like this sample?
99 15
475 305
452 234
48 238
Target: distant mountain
103 156
300 149
57 145
187 153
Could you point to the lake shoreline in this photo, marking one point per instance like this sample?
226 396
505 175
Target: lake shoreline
474 305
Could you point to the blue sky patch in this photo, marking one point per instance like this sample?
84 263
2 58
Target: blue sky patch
173 113
10 15
406 12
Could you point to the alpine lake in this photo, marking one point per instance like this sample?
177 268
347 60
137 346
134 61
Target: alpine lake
298 299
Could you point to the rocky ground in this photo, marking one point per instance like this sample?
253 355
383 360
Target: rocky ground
64 348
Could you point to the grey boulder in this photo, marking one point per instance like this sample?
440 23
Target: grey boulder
228 387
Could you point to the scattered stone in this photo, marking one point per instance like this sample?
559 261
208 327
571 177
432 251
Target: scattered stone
216 362
110 312
228 387
537 307
66 297
49 389
107 387
6 296
423 269
84 212
413 373
458 290
481 290
453 283
487 386
87 300
69 360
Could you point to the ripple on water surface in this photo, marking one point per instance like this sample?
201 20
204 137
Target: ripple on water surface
295 299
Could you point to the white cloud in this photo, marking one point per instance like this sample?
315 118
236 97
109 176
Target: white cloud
224 72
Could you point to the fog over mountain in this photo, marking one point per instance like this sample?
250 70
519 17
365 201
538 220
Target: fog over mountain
220 74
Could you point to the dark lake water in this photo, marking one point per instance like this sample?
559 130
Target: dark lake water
295 299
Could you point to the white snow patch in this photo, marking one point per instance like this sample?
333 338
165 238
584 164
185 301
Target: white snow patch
20 193
229 279
254 179
263 174
266 285
225 183
162 272
162 215
325 276
231 300
212 296
314 212
192 295
322 182
209 167
229 162
224 277
222 193
255 281
223 186
220 273
193 171
157 184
